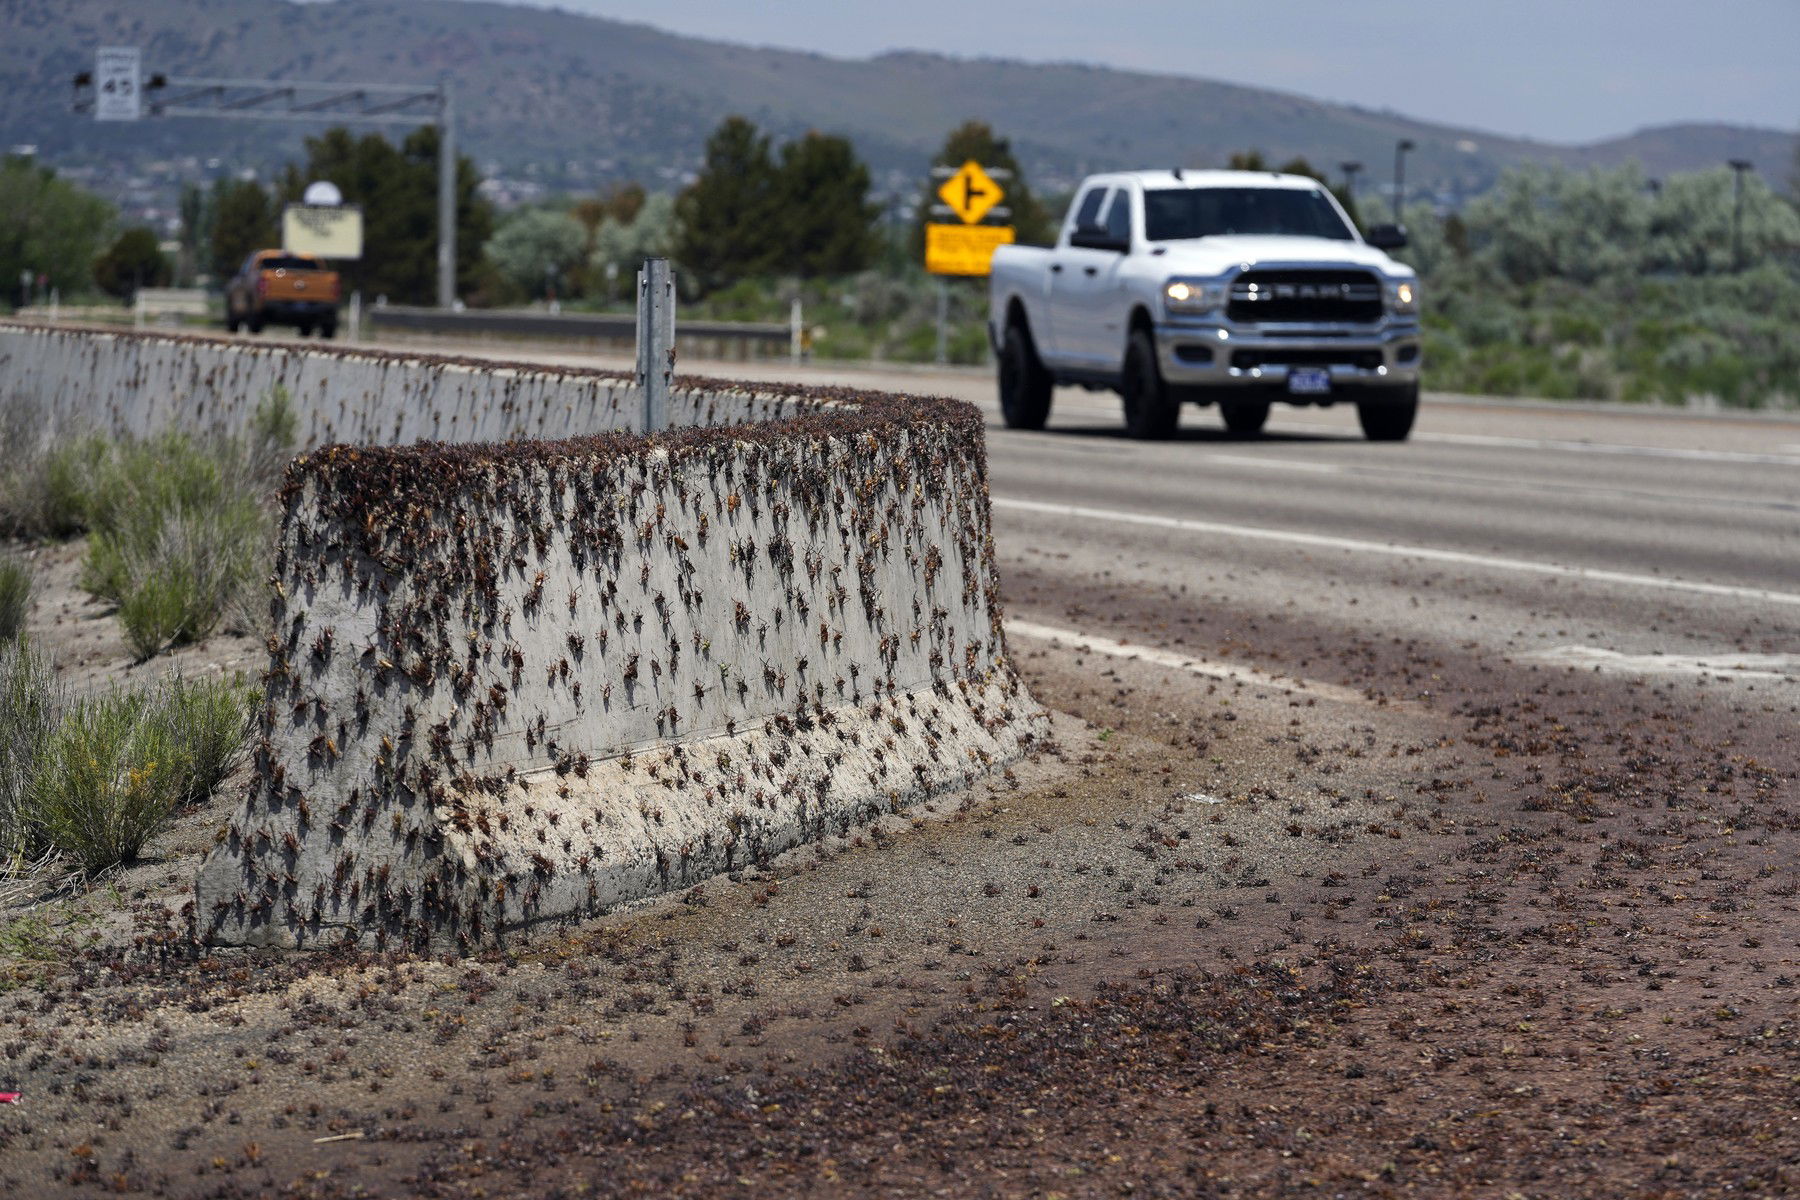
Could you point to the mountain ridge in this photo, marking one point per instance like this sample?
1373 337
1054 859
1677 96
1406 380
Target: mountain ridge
566 94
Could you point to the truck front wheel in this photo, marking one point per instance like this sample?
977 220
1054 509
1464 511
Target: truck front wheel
1025 386
1387 415
1244 418
1152 411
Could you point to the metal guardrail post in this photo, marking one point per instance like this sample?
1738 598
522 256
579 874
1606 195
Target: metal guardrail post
655 341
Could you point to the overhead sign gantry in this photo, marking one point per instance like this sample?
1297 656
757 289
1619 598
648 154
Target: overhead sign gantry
116 91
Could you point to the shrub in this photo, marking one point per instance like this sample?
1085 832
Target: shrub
31 703
174 577
108 779
211 719
180 529
43 486
15 596
120 763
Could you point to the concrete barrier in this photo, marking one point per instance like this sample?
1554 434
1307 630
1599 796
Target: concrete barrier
131 383
516 682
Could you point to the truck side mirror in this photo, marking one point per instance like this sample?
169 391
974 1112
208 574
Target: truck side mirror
1386 237
1094 237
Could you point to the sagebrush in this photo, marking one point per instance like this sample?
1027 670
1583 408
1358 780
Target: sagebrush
94 779
15 596
179 524
119 764
31 705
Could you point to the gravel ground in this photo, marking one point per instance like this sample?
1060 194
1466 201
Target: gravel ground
1495 929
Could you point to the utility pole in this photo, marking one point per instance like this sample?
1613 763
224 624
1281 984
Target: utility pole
1400 150
446 289
1738 166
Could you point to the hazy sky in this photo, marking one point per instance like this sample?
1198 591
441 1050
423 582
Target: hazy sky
1564 70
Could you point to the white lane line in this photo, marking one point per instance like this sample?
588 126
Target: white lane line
1535 487
1392 550
1728 664
1228 672
1279 464
1483 439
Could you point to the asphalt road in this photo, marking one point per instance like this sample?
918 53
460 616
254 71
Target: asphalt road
1643 542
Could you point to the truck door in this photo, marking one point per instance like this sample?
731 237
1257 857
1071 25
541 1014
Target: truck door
1098 302
1089 333
1060 342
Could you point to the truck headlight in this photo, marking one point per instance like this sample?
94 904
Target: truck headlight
1192 295
1403 297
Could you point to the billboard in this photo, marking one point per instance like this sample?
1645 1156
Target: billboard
322 231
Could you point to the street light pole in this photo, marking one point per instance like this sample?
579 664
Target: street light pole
1350 169
1738 166
1400 149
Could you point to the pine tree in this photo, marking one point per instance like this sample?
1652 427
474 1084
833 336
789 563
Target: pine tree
133 261
243 221
727 216
826 222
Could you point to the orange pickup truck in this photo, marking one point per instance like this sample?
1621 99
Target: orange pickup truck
274 287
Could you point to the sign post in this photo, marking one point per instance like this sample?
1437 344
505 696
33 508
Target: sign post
964 247
118 91
655 342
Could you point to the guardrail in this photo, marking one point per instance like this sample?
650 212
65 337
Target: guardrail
621 327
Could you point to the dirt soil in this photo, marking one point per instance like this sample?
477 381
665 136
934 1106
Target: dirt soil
1491 930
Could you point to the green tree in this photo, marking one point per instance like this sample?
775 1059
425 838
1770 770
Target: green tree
534 247
50 228
976 141
243 221
625 243
620 203
726 217
825 221
133 261
396 186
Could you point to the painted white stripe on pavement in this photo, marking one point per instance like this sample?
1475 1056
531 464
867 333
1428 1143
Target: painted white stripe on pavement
1389 549
1181 662
1727 664
1279 464
1578 447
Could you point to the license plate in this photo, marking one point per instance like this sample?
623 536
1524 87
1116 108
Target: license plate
1309 381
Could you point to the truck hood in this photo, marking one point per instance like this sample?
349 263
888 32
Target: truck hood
1216 255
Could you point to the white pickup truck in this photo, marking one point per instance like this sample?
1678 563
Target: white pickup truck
1230 287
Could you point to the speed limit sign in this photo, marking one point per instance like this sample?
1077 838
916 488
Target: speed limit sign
117 95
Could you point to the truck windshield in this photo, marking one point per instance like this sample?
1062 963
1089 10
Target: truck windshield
289 262
1174 213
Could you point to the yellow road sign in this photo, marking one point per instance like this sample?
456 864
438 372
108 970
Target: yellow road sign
970 193
963 249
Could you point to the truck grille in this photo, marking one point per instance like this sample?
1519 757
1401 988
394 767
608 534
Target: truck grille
1329 296
1245 360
